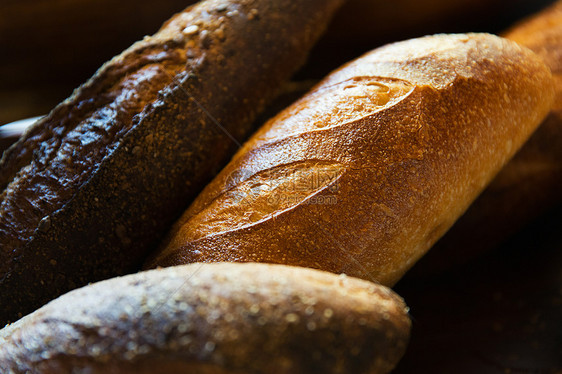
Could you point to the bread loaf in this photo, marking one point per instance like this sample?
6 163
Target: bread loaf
369 169
213 318
529 184
90 188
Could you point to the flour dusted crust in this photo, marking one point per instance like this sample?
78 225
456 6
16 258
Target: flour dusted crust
531 182
214 318
432 121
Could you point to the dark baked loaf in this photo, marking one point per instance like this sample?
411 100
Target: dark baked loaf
214 318
531 182
92 186
370 168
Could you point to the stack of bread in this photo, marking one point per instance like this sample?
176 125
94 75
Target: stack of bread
216 247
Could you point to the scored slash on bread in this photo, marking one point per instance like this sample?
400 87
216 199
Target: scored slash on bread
406 136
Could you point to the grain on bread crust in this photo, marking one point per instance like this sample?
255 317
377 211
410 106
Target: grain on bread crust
368 170
214 318
531 182
93 186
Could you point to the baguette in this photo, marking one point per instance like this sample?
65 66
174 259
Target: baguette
368 170
93 186
530 184
214 318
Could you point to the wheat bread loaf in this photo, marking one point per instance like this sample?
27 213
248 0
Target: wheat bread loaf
213 318
368 170
530 183
90 188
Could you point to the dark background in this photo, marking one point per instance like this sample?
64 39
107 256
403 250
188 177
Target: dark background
500 313
49 47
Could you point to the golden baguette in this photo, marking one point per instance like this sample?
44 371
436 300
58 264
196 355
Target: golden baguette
369 169
531 182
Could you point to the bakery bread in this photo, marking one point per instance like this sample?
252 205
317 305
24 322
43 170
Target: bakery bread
94 185
213 318
368 170
530 183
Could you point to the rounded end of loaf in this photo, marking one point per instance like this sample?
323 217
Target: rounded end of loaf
542 33
214 318
505 88
404 171
530 183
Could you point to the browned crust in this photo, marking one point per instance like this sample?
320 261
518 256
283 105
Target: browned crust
214 318
403 172
83 207
531 182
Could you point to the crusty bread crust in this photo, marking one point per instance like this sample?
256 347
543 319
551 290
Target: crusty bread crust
91 188
369 169
531 182
214 318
